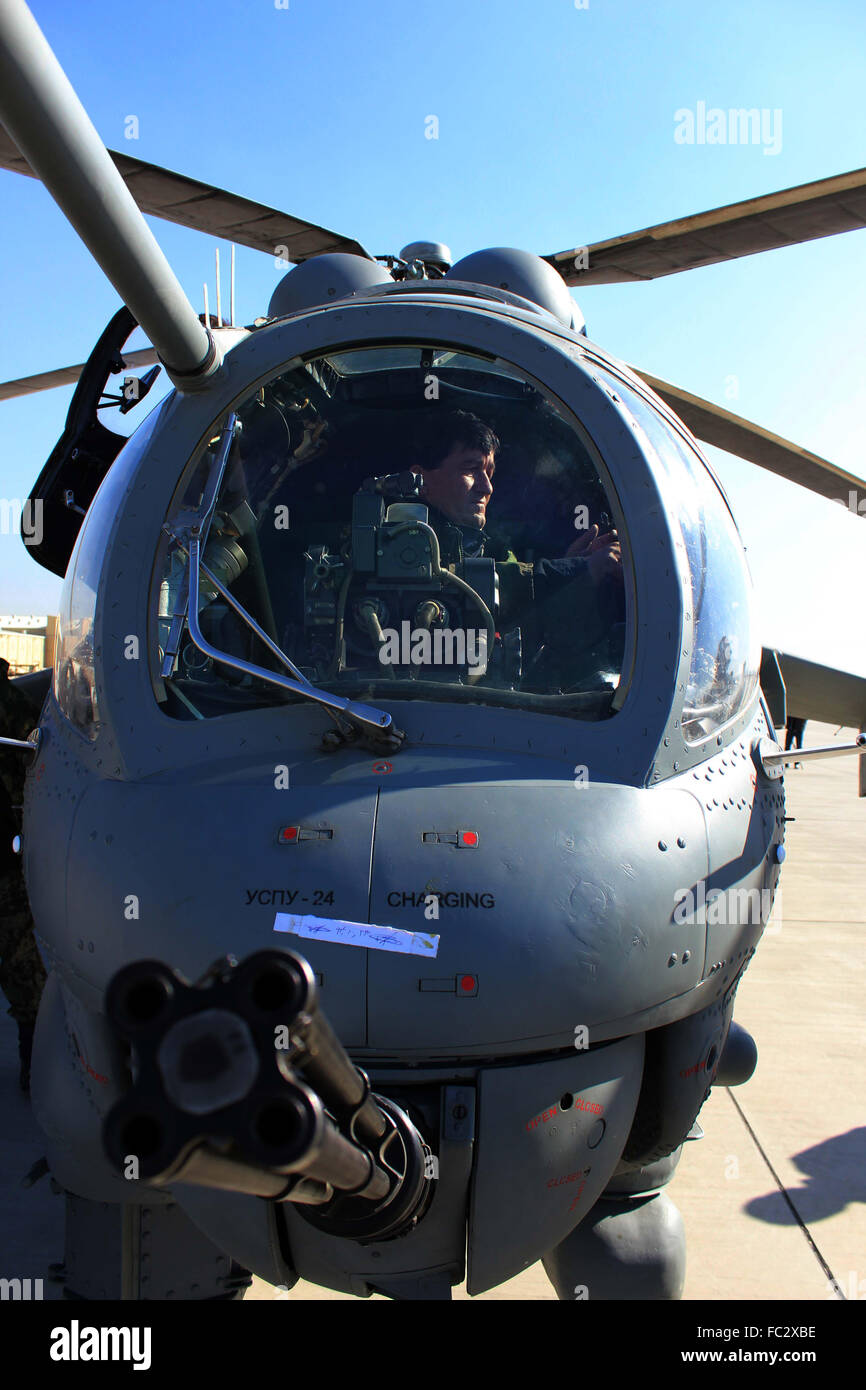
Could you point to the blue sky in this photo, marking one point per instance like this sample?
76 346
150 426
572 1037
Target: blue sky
556 128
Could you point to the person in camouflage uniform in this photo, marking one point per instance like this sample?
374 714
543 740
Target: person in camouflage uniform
22 974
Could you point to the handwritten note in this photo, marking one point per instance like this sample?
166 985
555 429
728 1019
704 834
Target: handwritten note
411 943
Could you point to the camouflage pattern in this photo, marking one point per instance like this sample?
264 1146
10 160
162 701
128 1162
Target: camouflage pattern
22 974
18 718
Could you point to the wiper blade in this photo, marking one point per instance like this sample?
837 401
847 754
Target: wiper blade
375 719
190 533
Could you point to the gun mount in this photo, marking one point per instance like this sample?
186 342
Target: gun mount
240 1083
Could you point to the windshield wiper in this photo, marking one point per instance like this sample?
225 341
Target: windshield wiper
372 719
190 536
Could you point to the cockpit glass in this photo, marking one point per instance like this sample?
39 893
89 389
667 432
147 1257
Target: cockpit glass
413 522
719 619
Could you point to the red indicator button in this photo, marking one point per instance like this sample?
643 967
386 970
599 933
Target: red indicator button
289 834
467 984
468 838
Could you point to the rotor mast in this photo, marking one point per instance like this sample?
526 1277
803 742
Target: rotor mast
45 118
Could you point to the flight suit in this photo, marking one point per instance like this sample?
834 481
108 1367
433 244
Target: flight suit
22 974
547 598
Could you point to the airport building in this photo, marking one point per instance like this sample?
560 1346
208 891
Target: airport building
27 641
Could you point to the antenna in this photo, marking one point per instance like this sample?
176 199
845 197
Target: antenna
219 303
206 311
232 292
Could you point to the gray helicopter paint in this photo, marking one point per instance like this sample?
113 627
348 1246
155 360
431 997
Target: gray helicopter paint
184 743
587 948
206 889
551 1131
53 131
137 802
249 1227
434 1248
683 1061
542 1160
321 279
645 1237
582 943
624 747
77 1075
140 1252
522 273
744 828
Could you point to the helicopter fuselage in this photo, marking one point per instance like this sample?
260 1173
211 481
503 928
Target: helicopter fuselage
595 886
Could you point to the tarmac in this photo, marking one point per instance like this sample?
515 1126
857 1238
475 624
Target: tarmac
774 1195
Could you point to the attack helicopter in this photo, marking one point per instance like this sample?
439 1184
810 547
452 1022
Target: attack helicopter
356 931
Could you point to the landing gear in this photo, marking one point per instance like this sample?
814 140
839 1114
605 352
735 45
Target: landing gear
631 1245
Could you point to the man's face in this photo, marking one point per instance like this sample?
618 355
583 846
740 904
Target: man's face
461 486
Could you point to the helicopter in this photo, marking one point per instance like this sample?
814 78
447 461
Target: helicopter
279 777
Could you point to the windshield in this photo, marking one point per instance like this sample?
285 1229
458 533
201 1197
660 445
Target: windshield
720 625
404 521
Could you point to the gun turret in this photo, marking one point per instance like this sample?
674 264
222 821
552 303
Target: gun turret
240 1083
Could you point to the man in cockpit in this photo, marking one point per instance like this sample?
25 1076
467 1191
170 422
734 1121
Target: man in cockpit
457 459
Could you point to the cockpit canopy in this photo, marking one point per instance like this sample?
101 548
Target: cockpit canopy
412 521
406 521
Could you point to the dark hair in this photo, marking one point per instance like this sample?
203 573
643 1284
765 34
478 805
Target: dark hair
443 430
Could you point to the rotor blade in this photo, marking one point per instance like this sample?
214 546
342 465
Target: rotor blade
207 209
66 376
798 214
737 436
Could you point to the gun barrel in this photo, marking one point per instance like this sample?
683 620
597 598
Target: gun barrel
292 1134
287 982
49 125
216 1098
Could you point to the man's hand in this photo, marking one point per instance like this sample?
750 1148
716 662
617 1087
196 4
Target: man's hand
603 554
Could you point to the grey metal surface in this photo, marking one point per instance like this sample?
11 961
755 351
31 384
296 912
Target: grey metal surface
142 1253
815 691
629 1250
522 273
549 1137
207 888
590 948
323 279
246 1226
48 123
77 1074
185 817
435 1247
